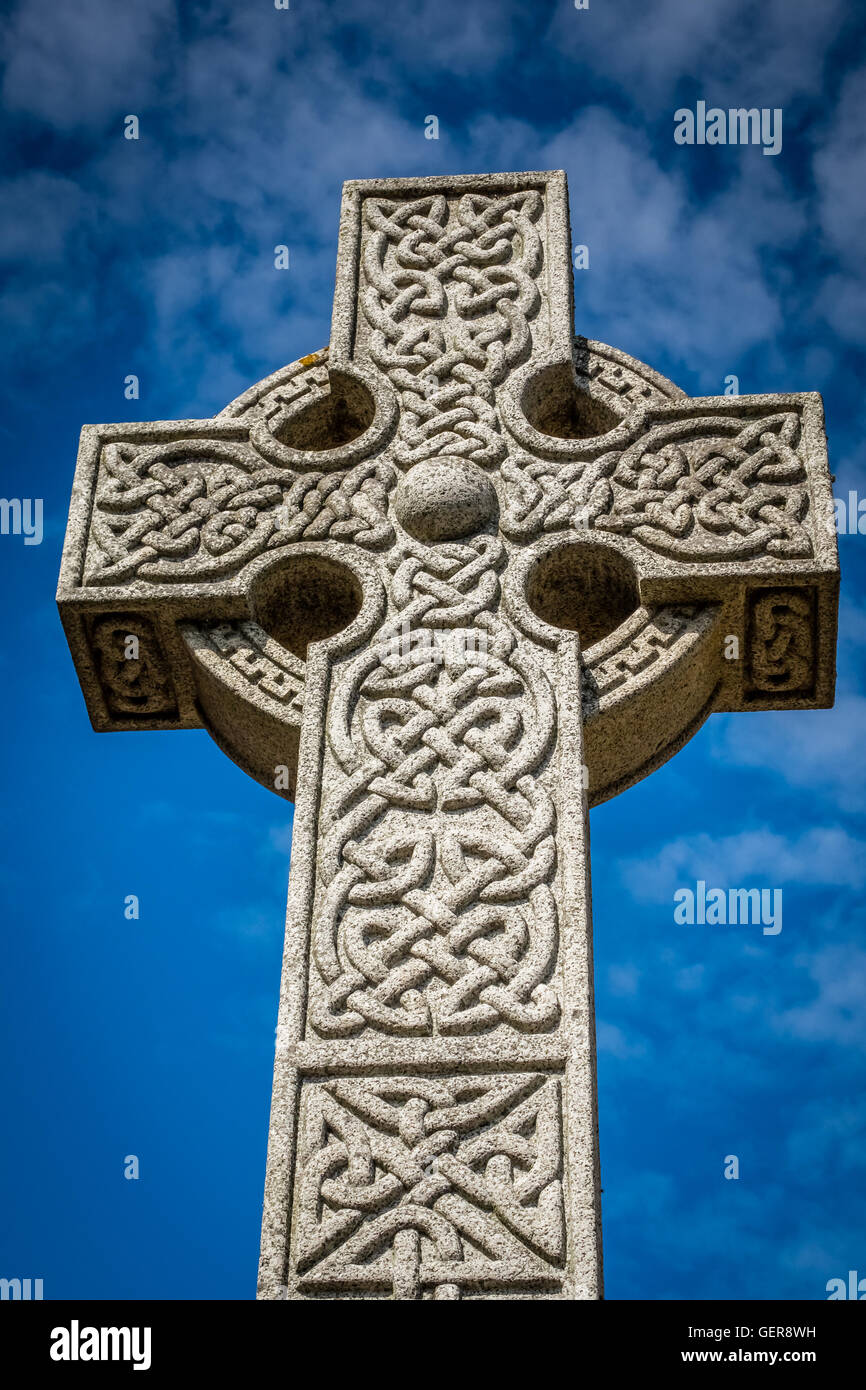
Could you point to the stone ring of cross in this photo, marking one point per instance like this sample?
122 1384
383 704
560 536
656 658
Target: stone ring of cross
446 584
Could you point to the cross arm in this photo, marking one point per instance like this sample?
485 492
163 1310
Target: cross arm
714 501
193 579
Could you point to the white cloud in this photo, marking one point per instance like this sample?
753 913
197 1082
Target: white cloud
280 838
85 64
623 981
663 272
741 54
612 1040
835 1014
839 168
822 855
829 1137
821 750
254 94
45 216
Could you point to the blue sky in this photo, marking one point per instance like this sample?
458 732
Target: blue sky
155 257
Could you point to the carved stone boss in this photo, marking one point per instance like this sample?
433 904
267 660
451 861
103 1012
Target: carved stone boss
457 577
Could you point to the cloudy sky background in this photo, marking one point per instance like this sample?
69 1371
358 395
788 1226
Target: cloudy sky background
155 257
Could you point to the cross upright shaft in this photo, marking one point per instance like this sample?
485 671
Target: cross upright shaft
453 580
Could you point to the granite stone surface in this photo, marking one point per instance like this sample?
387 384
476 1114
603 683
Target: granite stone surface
447 584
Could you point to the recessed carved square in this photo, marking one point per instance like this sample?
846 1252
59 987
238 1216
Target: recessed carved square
780 636
429 1187
132 670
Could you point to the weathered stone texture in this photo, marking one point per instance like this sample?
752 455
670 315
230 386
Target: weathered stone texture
458 577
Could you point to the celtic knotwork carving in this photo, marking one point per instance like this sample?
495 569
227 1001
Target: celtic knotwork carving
197 508
712 489
448 582
781 655
449 292
729 496
425 1186
452 585
350 506
189 506
133 672
546 496
436 913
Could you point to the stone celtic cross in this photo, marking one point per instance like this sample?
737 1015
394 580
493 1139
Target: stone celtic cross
457 577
